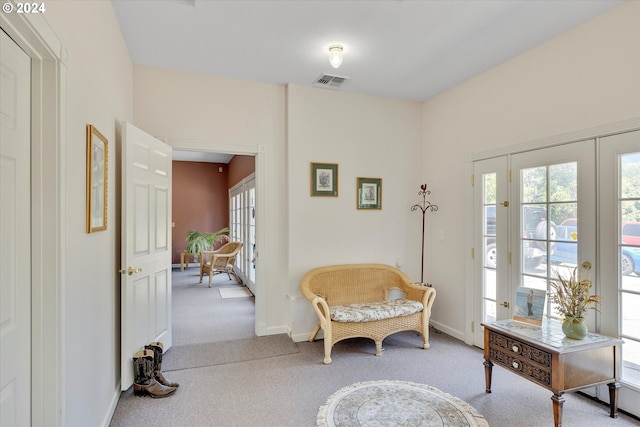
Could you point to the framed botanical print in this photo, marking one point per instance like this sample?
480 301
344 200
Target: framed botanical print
324 179
97 180
369 193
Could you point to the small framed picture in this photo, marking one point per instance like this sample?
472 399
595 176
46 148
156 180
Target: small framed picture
369 193
324 179
97 175
530 305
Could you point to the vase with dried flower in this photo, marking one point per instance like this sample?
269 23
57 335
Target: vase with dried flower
572 300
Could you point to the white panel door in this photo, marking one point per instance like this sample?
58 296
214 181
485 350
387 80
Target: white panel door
146 245
15 235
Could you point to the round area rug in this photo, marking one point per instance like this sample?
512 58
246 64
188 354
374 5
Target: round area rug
396 404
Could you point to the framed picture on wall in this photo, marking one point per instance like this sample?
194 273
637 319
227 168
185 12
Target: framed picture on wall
97 180
324 179
369 193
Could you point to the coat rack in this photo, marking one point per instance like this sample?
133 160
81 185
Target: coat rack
424 207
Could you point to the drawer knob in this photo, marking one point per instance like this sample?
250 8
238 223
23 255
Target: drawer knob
515 349
516 365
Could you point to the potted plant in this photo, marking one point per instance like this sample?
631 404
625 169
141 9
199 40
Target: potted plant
198 241
572 300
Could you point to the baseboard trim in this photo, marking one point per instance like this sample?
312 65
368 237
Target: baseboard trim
447 330
112 407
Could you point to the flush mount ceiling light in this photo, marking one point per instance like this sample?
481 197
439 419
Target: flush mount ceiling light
335 55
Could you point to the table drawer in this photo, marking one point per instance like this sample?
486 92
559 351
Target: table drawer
521 366
524 351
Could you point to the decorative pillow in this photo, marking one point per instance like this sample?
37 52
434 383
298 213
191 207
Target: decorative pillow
374 310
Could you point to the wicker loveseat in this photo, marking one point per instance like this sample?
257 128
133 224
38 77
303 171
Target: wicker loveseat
352 300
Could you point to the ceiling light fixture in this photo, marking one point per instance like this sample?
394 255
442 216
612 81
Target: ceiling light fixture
335 55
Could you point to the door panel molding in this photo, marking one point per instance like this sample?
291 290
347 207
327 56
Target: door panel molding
48 135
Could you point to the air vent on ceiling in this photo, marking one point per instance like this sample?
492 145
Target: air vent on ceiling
329 81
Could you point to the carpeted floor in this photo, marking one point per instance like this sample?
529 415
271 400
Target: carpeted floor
287 390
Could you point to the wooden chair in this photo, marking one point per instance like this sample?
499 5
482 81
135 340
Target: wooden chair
221 260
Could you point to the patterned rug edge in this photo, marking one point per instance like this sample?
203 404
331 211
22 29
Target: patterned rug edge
321 418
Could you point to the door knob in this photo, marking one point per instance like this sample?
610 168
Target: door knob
505 304
130 271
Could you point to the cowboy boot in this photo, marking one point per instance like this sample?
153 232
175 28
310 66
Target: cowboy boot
143 381
157 348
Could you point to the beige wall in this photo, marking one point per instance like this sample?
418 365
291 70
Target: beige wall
587 77
366 136
99 92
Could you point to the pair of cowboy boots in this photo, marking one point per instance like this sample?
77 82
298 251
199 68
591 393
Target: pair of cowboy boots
147 376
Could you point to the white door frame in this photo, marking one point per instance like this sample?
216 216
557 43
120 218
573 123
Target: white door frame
48 117
260 153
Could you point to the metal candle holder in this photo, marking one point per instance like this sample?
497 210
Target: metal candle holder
424 207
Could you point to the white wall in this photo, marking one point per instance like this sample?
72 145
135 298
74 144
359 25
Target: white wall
99 87
366 136
587 77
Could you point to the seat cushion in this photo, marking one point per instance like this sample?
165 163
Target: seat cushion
374 310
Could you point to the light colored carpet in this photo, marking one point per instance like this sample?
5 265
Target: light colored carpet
220 353
398 404
235 292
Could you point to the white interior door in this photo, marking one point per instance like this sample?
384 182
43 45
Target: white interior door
15 235
146 245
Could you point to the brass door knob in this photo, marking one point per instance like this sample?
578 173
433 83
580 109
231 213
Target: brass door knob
130 271
505 304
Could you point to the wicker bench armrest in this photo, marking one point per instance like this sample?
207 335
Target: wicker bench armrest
322 310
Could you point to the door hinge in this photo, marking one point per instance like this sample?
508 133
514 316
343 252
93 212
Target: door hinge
509 258
473 326
473 253
509 175
473 180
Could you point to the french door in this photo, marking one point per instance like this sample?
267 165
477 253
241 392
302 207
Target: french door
619 237
572 206
491 201
553 190
526 209
242 206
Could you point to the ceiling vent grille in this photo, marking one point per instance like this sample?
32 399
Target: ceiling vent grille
329 81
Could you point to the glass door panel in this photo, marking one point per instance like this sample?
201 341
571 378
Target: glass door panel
555 186
490 243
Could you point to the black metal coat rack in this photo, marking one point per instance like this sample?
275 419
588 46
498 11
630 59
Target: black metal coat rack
423 207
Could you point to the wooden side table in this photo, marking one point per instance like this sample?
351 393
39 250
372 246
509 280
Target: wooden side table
543 355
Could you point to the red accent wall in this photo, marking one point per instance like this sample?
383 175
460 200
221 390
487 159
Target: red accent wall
240 167
200 200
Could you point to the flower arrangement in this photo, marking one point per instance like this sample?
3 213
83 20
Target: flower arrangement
571 295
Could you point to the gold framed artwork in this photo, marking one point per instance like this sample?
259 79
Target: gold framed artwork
369 193
324 179
97 180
